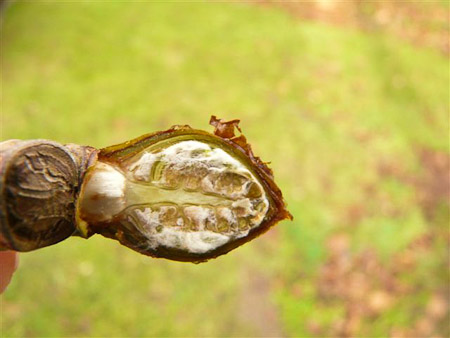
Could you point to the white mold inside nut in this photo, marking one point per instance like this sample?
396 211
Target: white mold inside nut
191 196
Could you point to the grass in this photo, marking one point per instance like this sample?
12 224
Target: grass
330 108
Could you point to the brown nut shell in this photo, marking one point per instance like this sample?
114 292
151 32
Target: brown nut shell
122 226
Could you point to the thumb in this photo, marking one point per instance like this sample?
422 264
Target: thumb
8 264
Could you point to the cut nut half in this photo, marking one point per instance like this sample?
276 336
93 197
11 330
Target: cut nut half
181 194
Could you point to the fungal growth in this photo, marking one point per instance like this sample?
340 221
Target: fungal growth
190 196
181 194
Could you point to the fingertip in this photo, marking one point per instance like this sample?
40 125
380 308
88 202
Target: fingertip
9 262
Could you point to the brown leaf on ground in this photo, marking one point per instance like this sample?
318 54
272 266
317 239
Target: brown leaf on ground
367 287
432 183
418 23
437 307
433 186
380 301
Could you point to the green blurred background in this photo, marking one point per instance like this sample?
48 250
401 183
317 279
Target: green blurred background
349 101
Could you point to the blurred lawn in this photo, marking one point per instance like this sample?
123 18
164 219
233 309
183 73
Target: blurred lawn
354 124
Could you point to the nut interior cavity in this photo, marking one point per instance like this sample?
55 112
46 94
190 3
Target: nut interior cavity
190 195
